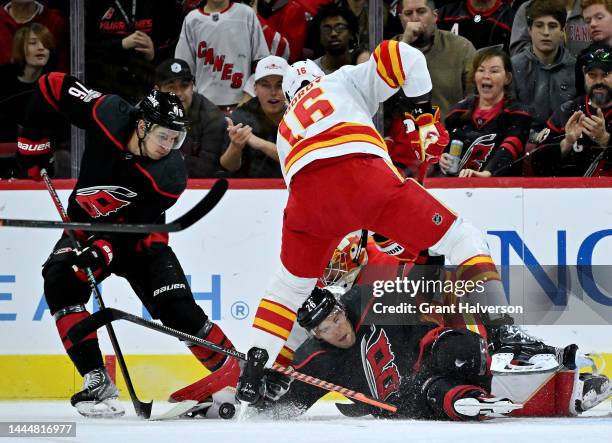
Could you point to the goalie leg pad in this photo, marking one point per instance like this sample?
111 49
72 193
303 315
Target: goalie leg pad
203 389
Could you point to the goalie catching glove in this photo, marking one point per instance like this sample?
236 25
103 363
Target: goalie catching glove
426 133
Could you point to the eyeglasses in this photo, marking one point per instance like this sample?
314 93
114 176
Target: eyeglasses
338 29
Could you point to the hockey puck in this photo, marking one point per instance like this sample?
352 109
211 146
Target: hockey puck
227 411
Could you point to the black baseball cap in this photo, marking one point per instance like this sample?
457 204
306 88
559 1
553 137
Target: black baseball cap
599 58
172 69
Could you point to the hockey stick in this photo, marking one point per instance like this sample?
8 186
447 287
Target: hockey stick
108 315
202 208
142 409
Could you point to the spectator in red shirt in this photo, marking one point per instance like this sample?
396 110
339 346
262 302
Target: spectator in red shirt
288 18
17 13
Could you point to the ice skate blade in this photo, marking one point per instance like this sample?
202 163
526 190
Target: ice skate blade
109 408
472 407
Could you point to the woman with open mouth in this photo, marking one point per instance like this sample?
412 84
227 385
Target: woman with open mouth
489 130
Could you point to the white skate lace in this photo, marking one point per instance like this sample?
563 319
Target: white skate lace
93 379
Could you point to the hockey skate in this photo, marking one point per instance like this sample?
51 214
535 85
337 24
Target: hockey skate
512 343
99 397
484 406
595 389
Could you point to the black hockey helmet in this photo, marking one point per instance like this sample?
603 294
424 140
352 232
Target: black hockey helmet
163 109
319 304
166 110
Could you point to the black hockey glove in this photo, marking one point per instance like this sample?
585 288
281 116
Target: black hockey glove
277 385
34 153
97 255
251 384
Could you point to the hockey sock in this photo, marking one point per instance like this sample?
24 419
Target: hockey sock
210 359
86 354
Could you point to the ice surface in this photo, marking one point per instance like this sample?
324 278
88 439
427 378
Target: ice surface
322 424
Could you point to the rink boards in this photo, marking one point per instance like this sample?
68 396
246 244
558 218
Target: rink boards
231 253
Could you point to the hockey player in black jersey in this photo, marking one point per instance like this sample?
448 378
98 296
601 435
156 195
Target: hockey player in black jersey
427 371
131 171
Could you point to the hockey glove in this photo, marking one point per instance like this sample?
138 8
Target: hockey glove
251 384
34 153
277 385
97 255
425 130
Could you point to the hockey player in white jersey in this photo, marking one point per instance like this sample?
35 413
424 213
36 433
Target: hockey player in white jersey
336 163
221 41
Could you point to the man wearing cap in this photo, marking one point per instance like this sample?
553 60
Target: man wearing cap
206 138
583 125
251 148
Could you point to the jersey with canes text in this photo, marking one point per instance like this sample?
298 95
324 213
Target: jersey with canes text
220 48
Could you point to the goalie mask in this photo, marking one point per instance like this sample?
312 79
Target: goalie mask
346 263
298 75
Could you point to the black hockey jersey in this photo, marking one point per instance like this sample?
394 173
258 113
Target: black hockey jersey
381 364
492 144
482 28
113 185
586 158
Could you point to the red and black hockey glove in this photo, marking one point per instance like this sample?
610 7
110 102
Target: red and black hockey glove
97 255
424 127
34 153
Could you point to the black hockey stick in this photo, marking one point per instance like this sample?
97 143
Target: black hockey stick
202 208
143 409
108 315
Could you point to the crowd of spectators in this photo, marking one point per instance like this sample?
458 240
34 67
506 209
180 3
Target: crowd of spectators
523 86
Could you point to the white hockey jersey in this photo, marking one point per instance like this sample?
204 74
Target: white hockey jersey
220 49
332 116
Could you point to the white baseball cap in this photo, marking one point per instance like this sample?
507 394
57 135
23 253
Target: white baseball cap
270 65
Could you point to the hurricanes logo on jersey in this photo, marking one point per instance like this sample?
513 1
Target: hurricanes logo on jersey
379 364
100 201
478 152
